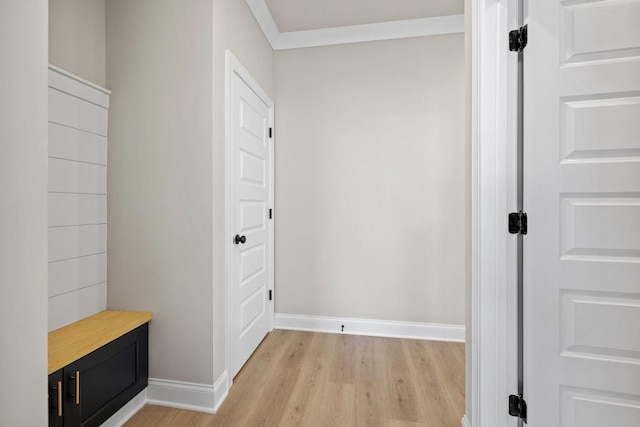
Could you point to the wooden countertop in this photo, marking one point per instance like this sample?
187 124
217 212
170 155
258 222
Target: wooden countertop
70 343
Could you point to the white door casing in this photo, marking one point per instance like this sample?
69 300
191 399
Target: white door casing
249 199
492 344
582 197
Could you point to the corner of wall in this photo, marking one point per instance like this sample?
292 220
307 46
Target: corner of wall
77 33
159 56
23 209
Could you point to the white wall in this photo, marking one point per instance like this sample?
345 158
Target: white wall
370 180
77 38
159 68
165 67
23 213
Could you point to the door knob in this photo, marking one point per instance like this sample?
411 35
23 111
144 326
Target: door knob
239 239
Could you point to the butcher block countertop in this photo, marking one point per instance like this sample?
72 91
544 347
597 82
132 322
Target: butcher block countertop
74 341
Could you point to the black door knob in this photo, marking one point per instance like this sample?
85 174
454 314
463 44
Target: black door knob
239 239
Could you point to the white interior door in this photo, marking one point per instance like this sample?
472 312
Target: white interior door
251 234
582 196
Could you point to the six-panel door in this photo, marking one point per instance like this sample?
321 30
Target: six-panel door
582 196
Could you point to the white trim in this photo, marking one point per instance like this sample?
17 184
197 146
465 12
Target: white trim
79 79
184 395
370 327
174 394
234 66
422 27
465 422
67 82
125 413
390 30
493 375
221 390
263 15
181 395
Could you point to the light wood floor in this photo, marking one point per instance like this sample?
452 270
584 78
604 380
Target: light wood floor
312 379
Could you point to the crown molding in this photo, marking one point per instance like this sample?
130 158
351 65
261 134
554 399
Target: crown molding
354 33
371 32
262 13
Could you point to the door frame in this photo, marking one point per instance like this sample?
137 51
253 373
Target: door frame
234 66
491 336
491 313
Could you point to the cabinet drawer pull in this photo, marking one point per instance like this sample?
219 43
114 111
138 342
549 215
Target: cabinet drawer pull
77 387
59 398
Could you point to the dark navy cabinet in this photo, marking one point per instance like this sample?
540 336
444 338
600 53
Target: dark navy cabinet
91 389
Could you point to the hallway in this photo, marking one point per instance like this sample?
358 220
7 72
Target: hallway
314 379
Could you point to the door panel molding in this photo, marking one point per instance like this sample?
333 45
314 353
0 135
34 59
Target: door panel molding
582 186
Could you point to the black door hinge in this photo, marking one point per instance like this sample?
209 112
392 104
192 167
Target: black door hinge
518 407
270 132
518 223
518 39
270 213
270 295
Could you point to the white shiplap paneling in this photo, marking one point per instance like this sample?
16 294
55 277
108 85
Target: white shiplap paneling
77 198
74 144
73 306
76 113
77 86
68 176
76 273
77 209
76 241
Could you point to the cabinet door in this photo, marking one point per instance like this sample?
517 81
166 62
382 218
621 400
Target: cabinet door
63 410
56 399
108 378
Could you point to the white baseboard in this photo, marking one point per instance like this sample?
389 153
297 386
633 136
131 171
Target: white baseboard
181 395
127 411
379 328
221 390
465 422
174 394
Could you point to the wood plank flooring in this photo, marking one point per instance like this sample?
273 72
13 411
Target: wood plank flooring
313 379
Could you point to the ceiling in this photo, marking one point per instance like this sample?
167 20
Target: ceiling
300 15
